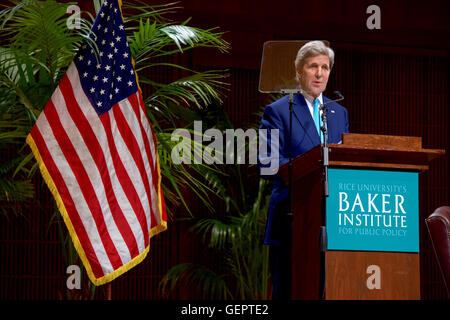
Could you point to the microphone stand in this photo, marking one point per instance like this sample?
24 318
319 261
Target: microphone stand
289 217
325 160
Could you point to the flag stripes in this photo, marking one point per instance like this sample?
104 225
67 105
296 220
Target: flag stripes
74 222
78 181
114 200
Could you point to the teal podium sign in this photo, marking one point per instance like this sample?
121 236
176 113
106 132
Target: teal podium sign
373 210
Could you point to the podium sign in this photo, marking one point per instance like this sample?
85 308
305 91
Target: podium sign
373 210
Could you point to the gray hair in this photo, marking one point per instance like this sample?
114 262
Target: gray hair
312 49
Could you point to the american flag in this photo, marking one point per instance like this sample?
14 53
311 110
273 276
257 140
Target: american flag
97 153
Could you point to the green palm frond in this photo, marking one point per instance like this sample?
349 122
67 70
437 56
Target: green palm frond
238 238
38 30
13 191
150 42
218 233
199 90
153 40
235 230
209 283
190 37
155 12
202 179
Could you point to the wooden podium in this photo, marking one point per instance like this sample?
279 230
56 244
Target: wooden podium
363 272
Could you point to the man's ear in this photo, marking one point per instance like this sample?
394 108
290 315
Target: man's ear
298 76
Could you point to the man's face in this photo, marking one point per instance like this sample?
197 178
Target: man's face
314 75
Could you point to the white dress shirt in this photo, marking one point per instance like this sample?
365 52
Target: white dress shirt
309 101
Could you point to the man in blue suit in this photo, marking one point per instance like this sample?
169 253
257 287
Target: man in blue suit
313 66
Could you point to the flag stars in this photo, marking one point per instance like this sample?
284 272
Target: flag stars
107 78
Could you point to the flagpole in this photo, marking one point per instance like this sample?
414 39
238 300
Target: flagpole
108 291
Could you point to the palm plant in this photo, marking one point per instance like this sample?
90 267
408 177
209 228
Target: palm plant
237 239
32 61
175 104
235 236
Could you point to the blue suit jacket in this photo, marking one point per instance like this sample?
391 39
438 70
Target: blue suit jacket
304 138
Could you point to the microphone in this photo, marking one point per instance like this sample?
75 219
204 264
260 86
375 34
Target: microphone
340 97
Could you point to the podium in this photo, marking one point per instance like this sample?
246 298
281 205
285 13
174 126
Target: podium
372 219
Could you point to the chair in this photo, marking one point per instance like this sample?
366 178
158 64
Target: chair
438 224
